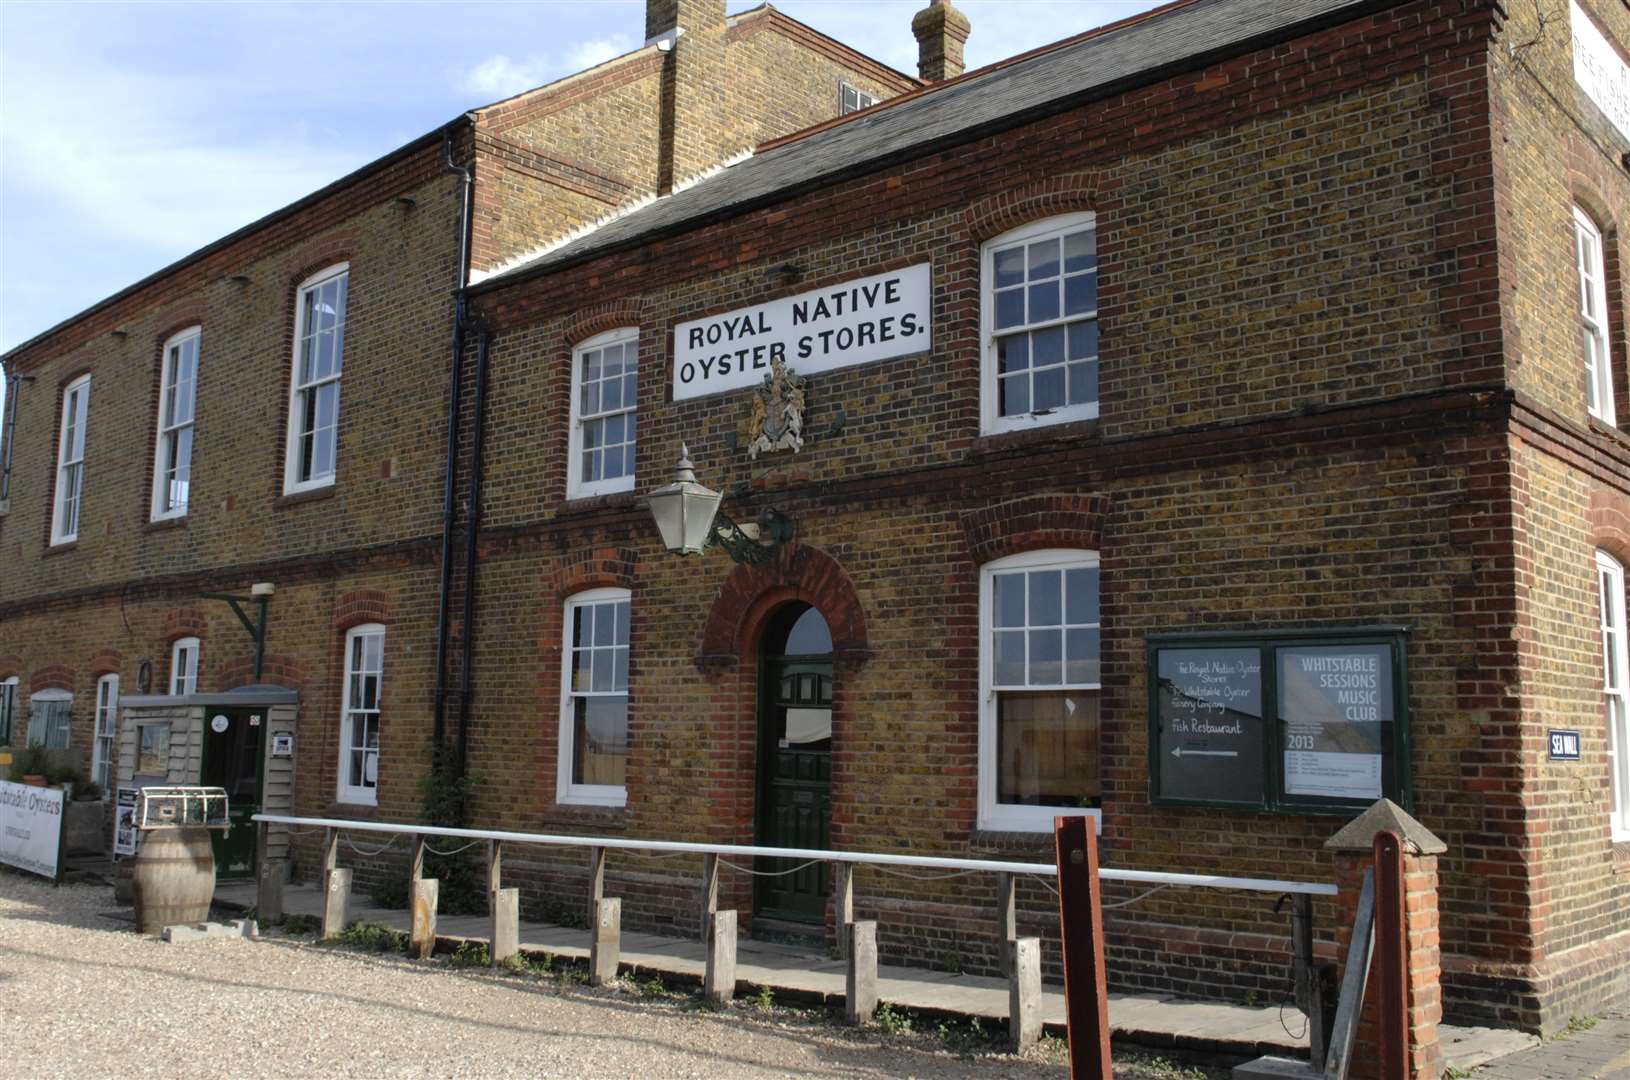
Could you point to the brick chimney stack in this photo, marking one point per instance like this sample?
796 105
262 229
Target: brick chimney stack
941 31
696 131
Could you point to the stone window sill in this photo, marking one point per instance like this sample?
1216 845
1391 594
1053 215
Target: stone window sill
1039 843
592 818
299 498
164 524
617 500
345 811
1075 431
60 549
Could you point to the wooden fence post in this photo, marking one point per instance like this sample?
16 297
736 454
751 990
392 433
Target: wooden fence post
843 904
719 980
1007 920
1081 927
1024 994
860 984
606 944
597 884
710 892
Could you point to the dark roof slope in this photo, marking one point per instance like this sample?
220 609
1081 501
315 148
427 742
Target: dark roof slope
1001 96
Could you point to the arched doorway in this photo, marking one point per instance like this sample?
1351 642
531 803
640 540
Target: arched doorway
794 761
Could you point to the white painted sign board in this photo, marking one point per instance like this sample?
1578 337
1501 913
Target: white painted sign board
1599 70
31 827
858 322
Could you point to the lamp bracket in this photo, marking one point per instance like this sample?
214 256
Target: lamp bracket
754 542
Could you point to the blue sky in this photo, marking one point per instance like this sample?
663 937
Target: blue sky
134 133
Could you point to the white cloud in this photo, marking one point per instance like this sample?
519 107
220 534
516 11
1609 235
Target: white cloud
500 76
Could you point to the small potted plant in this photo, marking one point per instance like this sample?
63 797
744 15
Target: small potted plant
30 765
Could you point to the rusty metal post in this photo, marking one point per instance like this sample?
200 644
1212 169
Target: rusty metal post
1391 956
1081 928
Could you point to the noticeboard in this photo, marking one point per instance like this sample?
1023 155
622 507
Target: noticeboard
1286 720
124 821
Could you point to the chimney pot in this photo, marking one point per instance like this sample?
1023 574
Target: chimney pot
941 30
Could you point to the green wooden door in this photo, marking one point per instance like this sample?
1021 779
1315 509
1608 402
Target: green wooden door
795 770
232 761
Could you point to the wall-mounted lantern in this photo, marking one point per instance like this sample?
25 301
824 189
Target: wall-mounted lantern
688 517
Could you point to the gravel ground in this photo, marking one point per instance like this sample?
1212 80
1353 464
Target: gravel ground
83 996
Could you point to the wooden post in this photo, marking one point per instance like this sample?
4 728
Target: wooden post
1081 928
506 925
710 895
606 944
1024 994
331 855
336 902
495 865
1391 956
422 935
843 905
1310 995
719 982
268 879
1357 973
597 883
416 870
860 984
1007 920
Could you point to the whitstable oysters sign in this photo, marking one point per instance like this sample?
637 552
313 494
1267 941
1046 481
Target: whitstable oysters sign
858 322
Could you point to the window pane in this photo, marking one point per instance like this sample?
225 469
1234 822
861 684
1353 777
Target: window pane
1080 294
600 741
1046 657
621 612
1015 395
1043 301
1009 308
1083 340
1013 353
1081 590
1047 749
1084 382
605 623
1080 251
1047 347
1009 658
1048 389
1043 258
1009 599
1046 597
1081 656
1009 267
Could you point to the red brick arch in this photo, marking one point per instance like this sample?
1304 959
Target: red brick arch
362 606
107 662
611 315
1035 522
184 622
751 593
996 214
55 677
9 666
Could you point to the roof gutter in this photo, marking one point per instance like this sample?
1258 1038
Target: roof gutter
923 149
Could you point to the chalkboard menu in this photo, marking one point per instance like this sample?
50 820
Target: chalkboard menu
1208 716
1294 720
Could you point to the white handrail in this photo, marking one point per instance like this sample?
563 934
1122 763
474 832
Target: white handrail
1142 877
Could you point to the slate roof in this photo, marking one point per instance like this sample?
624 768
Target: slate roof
999 96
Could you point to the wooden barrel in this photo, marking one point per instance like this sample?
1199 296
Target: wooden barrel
173 879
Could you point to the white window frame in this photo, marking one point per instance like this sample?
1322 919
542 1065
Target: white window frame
1587 250
863 100
1008 817
365 794
169 429
576 487
184 666
76 397
8 709
991 420
1615 692
292 484
567 792
104 738
64 726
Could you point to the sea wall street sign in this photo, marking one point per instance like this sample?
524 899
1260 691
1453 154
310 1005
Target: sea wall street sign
858 322
1600 71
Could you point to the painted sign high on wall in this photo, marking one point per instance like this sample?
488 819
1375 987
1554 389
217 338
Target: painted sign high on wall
1600 71
858 322
31 827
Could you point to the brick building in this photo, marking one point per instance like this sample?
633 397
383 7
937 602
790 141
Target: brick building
1210 424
